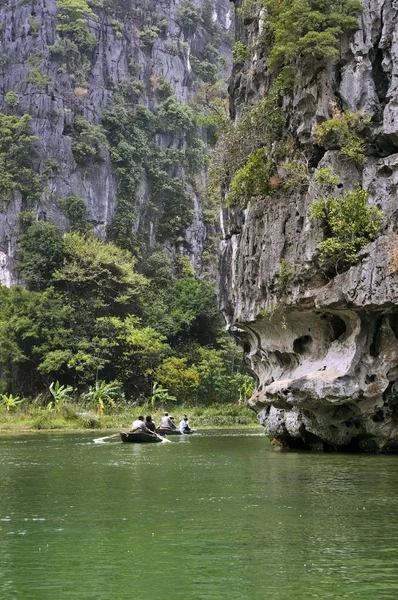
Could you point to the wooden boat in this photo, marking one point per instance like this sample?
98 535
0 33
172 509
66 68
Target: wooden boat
165 431
139 437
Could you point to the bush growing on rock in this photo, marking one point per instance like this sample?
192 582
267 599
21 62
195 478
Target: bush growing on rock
350 223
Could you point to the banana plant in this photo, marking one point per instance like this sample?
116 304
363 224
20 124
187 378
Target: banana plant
161 394
60 394
10 401
103 394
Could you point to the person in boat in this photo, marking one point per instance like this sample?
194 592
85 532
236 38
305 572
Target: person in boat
139 425
184 425
150 424
167 422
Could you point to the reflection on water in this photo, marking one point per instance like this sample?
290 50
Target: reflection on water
206 517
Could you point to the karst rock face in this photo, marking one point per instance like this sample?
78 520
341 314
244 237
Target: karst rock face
325 352
143 39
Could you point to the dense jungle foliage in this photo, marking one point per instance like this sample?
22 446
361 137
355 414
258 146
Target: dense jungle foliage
89 316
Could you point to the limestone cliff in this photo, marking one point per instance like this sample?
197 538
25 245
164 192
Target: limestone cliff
59 60
322 343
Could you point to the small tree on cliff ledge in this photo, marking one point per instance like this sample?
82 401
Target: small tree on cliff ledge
307 29
350 224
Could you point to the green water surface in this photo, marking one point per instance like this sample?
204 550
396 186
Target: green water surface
219 515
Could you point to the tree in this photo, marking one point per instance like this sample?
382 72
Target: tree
310 29
182 380
16 158
101 274
33 325
41 253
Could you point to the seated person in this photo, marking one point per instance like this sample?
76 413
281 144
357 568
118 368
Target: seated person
149 423
139 425
167 422
184 425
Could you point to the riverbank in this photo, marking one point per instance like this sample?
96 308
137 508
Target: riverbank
74 418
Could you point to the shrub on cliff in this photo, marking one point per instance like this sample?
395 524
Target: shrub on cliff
88 141
343 132
310 29
251 180
350 223
41 252
73 19
16 158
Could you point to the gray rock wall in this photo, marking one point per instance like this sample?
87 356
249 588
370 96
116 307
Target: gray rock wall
29 28
324 351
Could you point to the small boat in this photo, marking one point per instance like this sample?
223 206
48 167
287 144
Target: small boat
167 432
139 437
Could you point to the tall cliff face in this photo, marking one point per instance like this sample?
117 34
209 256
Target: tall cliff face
322 342
64 63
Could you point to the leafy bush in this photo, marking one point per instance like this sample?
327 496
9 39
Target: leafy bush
39 79
74 208
104 394
41 253
251 180
241 52
350 224
343 131
247 144
73 19
16 158
149 35
188 16
88 141
12 99
308 30
9 401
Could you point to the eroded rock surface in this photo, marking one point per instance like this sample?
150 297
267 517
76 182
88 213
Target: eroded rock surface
324 348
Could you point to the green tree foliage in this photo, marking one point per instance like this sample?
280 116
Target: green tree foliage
16 158
41 253
241 52
251 180
188 16
74 208
12 99
99 273
32 325
343 132
88 141
212 102
309 29
73 22
181 379
39 79
350 223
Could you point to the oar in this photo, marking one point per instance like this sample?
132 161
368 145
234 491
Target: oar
161 438
107 437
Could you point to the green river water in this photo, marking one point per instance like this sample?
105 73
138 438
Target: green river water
219 515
